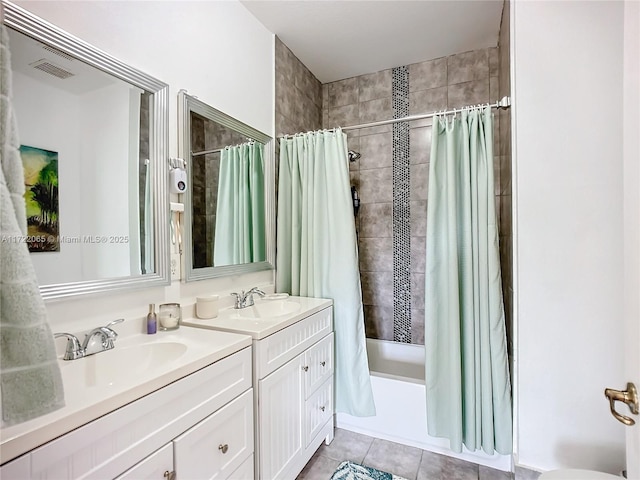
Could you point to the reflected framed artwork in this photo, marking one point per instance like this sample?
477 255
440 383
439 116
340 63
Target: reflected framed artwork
41 198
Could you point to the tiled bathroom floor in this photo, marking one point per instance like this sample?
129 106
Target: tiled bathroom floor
409 462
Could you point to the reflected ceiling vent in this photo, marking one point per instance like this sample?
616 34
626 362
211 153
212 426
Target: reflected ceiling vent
47 67
60 53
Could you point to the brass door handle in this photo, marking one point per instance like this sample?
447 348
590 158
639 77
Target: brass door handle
628 396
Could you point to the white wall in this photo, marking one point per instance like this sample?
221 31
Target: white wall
49 119
218 52
567 90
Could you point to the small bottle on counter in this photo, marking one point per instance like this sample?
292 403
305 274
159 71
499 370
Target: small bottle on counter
152 323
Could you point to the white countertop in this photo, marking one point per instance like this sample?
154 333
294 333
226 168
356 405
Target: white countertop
230 319
86 401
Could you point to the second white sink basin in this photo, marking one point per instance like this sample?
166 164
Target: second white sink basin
269 309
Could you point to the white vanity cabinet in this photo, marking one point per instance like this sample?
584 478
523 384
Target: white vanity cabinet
293 380
198 427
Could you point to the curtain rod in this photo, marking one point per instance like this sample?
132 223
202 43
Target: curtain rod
206 152
504 102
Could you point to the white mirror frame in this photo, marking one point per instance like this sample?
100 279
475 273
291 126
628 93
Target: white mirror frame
35 27
186 105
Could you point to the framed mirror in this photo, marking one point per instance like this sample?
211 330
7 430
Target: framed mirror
94 145
229 225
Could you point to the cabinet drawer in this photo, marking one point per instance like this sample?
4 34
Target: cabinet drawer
318 364
318 409
272 352
219 444
152 467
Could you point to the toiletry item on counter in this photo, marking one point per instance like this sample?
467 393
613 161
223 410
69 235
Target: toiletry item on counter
169 315
152 324
207 306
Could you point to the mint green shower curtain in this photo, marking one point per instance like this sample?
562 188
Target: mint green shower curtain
317 251
467 376
240 213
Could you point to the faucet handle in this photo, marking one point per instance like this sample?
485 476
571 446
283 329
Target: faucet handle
74 349
120 320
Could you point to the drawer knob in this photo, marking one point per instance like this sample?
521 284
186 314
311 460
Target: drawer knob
169 475
323 363
306 368
322 408
223 448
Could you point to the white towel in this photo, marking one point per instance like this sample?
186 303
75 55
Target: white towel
30 381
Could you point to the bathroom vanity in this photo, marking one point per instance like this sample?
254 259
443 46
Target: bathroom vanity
172 404
293 363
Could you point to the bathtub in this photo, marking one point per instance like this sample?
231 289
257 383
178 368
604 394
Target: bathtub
397 379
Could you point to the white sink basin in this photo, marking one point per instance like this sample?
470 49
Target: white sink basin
269 309
122 363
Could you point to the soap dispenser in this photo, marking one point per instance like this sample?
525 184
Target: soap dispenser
152 323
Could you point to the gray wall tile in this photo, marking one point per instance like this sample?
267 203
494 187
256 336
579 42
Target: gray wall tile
468 66
343 92
374 86
417 327
378 321
375 110
376 185
376 254
377 289
417 290
343 116
418 255
420 144
419 218
428 75
376 151
376 220
494 62
468 93
419 181
426 101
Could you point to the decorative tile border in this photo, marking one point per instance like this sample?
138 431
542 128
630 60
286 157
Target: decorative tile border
401 211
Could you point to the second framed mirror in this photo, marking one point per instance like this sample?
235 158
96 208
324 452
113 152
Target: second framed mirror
229 221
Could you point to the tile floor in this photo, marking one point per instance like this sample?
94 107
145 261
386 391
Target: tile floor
409 462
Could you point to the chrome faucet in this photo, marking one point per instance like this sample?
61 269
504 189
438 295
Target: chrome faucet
107 338
244 300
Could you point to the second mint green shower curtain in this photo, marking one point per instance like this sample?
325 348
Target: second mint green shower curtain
467 375
240 213
317 251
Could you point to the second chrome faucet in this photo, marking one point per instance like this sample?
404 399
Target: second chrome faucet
244 300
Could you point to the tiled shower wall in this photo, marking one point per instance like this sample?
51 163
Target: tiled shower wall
392 184
392 257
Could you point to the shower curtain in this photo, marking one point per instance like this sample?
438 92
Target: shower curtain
467 376
240 214
317 251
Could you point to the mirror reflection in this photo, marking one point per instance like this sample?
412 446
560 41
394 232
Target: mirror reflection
85 151
228 201
94 135
229 207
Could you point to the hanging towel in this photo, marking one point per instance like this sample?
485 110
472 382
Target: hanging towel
30 380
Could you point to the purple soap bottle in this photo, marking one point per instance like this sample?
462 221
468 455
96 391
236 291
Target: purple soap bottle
152 323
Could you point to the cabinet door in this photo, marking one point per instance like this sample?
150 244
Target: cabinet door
318 363
153 467
219 444
318 410
280 417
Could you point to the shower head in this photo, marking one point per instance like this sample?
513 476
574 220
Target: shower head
353 156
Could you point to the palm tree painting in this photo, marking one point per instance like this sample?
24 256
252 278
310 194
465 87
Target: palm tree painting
41 198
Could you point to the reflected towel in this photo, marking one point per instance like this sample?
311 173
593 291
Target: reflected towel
30 381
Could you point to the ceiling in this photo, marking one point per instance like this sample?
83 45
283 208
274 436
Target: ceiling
342 39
